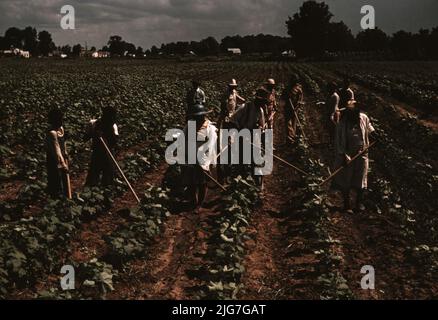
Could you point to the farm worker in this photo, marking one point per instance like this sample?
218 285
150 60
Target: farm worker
56 155
195 95
251 117
230 102
346 93
101 168
351 137
271 108
331 114
291 100
195 175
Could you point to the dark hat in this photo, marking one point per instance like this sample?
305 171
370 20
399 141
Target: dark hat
109 115
55 116
262 95
331 86
196 83
198 110
109 111
293 79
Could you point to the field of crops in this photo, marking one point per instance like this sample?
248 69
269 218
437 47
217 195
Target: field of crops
413 83
291 242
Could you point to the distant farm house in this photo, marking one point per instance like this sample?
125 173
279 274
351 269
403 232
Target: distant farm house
24 54
16 53
100 54
236 51
289 54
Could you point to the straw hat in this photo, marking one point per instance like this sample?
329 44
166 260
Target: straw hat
233 83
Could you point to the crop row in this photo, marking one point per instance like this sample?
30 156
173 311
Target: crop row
409 86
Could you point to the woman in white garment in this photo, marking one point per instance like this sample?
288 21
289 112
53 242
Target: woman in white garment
195 175
56 155
351 137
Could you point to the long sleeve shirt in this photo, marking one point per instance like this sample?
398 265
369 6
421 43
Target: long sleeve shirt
342 138
230 100
206 142
95 130
249 117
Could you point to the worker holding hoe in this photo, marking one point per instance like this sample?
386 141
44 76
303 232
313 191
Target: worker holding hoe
331 114
101 168
195 95
271 108
58 183
291 101
196 175
352 138
251 117
230 102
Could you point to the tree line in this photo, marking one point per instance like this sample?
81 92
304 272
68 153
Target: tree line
28 39
312 33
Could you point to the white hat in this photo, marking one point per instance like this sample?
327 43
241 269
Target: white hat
233 83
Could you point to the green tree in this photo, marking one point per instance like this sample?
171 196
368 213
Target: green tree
76 51
66 49
45 43
209 46
30 40
404 44
339 37
372 40
116 45
154 51
14 38
139 52
309 28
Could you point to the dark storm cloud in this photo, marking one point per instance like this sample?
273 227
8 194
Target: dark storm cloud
156 21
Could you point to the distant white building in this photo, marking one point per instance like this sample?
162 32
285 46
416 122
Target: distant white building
21 53
100 54
236 51
289 53
7 53
15 53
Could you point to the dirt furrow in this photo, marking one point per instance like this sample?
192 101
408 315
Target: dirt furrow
367 239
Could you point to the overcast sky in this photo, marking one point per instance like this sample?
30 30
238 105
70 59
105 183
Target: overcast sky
149 22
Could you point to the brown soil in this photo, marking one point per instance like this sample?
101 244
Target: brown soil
278 265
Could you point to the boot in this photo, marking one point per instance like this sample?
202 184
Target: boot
359 204
259 182
347 203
